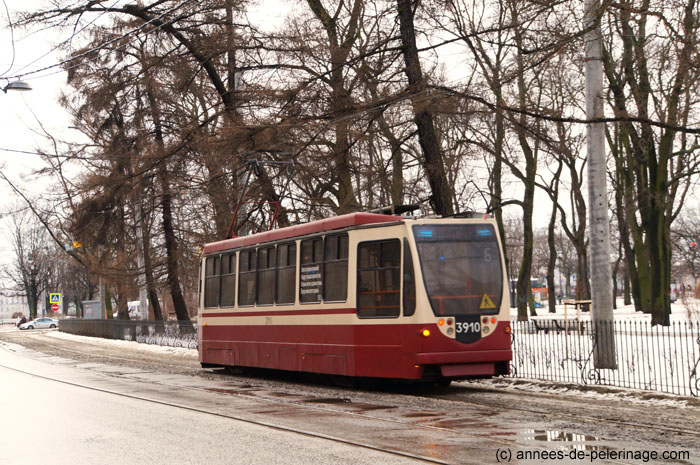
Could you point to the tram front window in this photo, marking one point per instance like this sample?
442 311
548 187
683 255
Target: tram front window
461 267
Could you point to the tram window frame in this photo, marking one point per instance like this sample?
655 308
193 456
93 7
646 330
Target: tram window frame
266 259
230 276
408 291
212 275
315 254
246 269
336 251
377 268
287 268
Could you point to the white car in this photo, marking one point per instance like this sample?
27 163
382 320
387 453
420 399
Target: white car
40 323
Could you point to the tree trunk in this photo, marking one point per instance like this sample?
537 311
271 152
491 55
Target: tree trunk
433 162
167 216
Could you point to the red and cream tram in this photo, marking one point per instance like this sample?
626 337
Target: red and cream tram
361 295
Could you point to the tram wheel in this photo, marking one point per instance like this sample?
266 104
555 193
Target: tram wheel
233 370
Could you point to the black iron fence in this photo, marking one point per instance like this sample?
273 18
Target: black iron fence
163 333
656 358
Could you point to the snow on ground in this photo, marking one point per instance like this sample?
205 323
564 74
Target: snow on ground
592 393
683 310
118 343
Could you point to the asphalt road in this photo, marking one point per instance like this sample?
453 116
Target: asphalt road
60 423
251 419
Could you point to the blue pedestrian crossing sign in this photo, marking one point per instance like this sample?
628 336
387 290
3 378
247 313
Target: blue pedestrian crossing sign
55 297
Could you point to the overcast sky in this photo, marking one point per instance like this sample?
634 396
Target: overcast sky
23 113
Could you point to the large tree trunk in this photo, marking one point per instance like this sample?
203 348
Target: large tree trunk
167 216
528 178
171 245
433 162
341 99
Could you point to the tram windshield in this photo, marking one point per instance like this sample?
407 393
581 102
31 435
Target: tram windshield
461 267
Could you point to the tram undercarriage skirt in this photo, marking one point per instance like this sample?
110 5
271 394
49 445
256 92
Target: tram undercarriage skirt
468 370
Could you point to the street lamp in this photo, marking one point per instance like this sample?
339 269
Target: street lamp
17 85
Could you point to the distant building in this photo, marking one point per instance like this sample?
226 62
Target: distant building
13 304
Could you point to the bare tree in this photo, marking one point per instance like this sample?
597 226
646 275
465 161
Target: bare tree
648 64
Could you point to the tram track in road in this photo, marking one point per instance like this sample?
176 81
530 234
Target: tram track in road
451 401
291 405
576 417
285 429
244 392
498 444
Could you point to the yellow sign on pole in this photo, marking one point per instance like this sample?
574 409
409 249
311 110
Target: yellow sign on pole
55 297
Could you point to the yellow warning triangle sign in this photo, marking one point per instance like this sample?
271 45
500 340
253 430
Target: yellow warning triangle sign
486 302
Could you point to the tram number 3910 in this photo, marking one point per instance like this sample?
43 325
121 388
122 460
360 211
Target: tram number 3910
468 327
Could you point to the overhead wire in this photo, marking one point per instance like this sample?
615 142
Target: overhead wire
98 47
73 35
12 39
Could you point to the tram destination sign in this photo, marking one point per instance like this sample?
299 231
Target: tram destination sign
311 283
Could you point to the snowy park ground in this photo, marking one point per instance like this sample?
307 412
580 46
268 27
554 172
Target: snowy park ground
687 309
655 358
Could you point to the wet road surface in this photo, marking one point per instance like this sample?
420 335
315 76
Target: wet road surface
213 413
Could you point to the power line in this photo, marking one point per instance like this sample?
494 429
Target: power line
99 47
12 38
73 35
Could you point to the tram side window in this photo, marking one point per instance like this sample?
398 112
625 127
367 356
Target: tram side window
211 282
310 270
246 277
378 279
335 268
286 269
409 281
266 276
228 280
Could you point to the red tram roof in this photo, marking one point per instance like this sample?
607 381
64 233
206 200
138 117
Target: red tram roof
329 224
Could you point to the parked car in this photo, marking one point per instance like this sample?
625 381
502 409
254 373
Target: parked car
40 323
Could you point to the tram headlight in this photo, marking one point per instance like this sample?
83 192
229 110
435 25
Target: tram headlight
425 332
450 331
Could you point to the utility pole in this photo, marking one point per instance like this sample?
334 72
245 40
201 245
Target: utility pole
101 284
143 292
599 248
